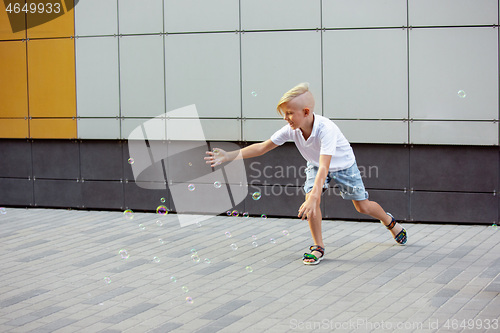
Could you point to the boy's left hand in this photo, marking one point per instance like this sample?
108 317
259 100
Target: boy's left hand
308 208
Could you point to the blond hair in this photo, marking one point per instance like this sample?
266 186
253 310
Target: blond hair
296 91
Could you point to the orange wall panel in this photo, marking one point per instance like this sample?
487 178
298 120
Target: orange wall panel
13 82
47 25
51 78
12 21
53 128
13 128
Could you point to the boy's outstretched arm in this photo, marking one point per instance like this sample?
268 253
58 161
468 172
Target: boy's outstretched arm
308 208
218 156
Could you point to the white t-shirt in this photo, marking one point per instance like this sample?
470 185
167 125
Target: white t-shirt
326 139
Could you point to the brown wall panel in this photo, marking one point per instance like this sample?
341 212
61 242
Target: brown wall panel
49 25
51 78
14 128
14 82
53 128
11 23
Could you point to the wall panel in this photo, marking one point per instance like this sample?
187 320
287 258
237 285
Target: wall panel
140 17
11 27
14 128
53 128
43 26
96 17
14 84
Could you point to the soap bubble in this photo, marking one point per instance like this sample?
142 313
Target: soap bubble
228 213
256 195
173 279
162 200
191 187
234 247
193 251
189 300
207 261
161 210
255 244
161 241
156 259
245 214
462 94
254 237
235 213
494 226
131 161
272 240
254 93
124 254
185 289
107 280
217 184
190 164
159 223
285 232
3 210
249 269
128 214
264 216
195 258
228 234
142 226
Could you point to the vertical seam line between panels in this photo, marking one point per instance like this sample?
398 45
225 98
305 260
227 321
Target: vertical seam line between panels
241 73
74 59
119 71
410 215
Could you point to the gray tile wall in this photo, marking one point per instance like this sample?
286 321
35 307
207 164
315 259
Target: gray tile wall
455 184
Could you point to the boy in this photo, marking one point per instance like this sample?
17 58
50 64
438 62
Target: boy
329 157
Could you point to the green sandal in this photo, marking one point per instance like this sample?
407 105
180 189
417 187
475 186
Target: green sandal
401 237
316 261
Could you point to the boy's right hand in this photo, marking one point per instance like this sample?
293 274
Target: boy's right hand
216 157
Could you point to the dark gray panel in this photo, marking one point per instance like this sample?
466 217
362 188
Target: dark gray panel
275 200
383 166
154 173
102 194
454 168
16 158
186 162
454 207
56 159
283 165
144 198
16 192
395 202
58 193
101 160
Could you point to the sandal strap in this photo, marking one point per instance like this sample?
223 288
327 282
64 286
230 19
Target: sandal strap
393 222
318 248
309 256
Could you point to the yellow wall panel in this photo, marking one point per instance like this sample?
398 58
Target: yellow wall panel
13 128
13 82
53 128
51 78
12 22
57 23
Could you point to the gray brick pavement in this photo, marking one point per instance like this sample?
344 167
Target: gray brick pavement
62 272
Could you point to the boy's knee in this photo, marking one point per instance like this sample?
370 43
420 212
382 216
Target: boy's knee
362 208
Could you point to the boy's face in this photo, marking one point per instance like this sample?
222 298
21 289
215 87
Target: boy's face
294 116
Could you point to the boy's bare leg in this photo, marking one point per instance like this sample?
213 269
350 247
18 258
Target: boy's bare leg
315 227
376 211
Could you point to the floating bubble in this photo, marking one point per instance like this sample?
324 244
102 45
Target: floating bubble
3 210
131 161
156 259
254 93
235 213
159 223
264 216
161 210
272 240
190 164
189 300
216 151
193 251
173 279
462 94
286 233
228 234
217 184
191 187
256 195
207 261
107 280
162 200
254 237
228 213
255 244
494 226
124 254
245 214
195 258
128 214
161 241
198 224
185 289
234 247
142 226
249 269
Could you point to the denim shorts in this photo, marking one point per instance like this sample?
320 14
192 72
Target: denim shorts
348 181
